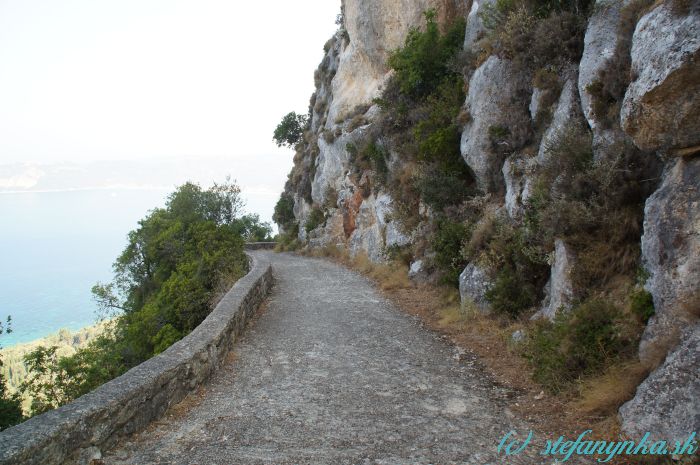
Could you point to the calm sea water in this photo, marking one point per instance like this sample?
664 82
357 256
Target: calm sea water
54 247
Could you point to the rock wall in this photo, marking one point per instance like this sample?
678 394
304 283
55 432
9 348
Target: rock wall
350 76
79 431
638 59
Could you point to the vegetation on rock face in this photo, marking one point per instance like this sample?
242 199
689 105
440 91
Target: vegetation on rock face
423 63
597 206
177 263
421 107
592 203
579 343
316 219
290 130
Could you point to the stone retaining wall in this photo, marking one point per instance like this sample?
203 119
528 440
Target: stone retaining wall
77 432
260 245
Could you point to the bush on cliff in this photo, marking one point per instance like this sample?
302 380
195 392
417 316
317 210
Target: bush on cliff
290 130
177 263
420 120
536 33
423 62
579 343
596 206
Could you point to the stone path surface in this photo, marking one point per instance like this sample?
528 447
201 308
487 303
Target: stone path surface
331 372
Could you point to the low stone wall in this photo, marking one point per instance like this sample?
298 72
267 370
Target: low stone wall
260 245
77 432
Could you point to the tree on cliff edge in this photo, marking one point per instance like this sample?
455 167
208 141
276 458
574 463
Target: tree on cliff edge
290 130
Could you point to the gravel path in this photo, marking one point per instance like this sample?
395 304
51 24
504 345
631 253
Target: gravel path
331 372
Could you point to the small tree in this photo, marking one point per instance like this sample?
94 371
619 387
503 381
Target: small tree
290 129
10 405
284 211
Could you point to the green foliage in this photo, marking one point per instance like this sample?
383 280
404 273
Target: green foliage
511 293
48 384
520 275
166 280
580 343
421 107
370 155
10 405
423 62
447 243
498 133
316 218
642 305
289 240
284 211
251 229
290 130
440 188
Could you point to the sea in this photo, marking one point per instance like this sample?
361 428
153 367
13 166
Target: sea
54 246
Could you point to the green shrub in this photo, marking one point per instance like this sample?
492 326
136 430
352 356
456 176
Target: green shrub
447 244
289 241
316 218
284 211
166 281
441 188
369 155
511 293
580 343
642 305
290 130
519 276
424 60
399 253
251 229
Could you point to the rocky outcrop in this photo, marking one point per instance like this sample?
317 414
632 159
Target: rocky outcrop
475 30
370 225
375 28
332 163
474 282
666 403
605 35
661 108
600 44
567 117
497 102
517 175
559 290
671 253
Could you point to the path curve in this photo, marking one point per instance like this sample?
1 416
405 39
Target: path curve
331 372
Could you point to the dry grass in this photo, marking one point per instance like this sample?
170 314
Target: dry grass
603 395
389 276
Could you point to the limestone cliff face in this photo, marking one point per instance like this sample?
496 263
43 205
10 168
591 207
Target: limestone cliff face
350 76
642 65
375 28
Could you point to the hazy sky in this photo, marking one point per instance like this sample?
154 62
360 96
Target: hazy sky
91 80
